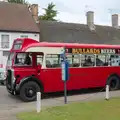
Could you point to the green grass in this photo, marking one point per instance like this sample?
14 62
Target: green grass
96 110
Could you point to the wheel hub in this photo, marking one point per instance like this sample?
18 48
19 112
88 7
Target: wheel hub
30 92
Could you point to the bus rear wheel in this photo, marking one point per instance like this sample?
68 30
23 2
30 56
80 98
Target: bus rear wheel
114 83
28 91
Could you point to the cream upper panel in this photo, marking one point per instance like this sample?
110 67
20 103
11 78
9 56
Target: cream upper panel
46 50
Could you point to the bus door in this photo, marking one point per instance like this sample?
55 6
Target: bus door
39 63
51 73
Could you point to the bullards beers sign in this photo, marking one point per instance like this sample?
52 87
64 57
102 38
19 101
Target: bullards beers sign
92 51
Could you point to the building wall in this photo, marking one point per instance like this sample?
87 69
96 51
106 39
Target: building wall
12 36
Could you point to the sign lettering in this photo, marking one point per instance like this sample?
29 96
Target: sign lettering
85 51
92 51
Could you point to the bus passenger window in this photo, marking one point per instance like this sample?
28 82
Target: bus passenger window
73 60
115 60
69 59
53 61
99 61
76 60
87 60
102 60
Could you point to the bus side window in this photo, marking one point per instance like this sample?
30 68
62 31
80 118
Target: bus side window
73 60
53 61
76 60
69 59
102 60
115 60
87 60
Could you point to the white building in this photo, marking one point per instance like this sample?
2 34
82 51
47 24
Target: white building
16 21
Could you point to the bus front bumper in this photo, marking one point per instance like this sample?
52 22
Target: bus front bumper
9 89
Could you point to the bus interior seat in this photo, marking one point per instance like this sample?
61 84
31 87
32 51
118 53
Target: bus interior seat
76 64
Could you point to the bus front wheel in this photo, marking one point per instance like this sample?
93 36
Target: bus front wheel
114 83
28 91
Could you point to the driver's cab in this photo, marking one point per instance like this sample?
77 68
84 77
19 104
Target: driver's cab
23 59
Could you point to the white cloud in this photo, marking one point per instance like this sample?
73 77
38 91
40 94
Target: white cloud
68 17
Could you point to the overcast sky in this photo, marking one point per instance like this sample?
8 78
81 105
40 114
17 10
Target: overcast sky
74 10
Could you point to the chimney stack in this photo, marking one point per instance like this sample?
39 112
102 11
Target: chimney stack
34 11
90 20
115 20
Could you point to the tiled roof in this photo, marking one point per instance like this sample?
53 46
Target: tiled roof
78 33
16 17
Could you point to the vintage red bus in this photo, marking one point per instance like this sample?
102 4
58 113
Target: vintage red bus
36 66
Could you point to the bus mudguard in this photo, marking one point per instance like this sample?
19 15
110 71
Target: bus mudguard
27 79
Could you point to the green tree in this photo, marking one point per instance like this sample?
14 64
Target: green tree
50 13
18 1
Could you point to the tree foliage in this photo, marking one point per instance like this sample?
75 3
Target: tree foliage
50 13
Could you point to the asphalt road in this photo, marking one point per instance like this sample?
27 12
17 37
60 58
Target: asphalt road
10 105
6 98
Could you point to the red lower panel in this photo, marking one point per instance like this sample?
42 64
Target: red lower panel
78 78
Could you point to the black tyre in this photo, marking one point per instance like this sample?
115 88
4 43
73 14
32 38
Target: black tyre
114 83
28 91
3 82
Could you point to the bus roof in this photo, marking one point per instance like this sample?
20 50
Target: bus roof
28 43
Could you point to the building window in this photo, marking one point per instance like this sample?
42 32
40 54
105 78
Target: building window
6 53
4 41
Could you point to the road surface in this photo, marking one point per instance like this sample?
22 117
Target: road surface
11 105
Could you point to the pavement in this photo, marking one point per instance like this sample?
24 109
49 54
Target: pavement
11 105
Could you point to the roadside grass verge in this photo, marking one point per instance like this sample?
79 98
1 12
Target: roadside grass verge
95 110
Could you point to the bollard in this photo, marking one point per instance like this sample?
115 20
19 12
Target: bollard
107 92
38 106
